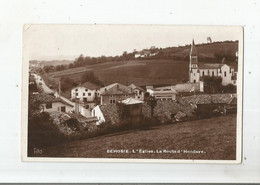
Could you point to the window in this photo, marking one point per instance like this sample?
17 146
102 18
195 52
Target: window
202 73
48 105
112 101
225 73
77 94
111 96
63 109
84 94
212 73
76 89
194 81
86 89
89 94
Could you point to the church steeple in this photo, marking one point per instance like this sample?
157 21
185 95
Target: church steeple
193 51
193 55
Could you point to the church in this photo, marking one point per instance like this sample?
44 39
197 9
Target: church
198 70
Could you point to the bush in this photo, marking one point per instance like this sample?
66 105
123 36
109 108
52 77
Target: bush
42 132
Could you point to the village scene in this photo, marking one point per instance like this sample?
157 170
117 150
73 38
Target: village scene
110 107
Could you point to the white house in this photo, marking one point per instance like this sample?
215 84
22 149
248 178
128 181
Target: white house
85 92
139 92
199 70
162 94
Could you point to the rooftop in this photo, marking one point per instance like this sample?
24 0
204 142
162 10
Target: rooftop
116 89
46 98
88 85
131 101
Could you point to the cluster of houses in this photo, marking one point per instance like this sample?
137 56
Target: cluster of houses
97 102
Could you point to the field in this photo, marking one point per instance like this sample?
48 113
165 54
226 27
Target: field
216 137
139 72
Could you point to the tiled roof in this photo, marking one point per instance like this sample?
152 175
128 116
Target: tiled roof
207 99
116 89
209 66
43 98
46 98
132 86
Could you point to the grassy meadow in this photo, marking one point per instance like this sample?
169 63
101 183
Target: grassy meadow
216 137
139 72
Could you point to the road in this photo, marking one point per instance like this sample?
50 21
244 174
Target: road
42 85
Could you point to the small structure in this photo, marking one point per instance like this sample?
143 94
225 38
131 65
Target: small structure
49 103
139 92
113 93
162 94
85 92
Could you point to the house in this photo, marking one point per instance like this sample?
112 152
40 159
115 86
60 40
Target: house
106 113
113 93
145 53
139 92
49 103
86 92
198 70
162 94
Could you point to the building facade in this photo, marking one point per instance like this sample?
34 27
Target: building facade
139 92
162 94
86 92
198 70
113 93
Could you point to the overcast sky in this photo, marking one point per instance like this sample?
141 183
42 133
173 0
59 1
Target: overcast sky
49 42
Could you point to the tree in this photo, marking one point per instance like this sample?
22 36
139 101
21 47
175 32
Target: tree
67 83
212 84
89 76
152 103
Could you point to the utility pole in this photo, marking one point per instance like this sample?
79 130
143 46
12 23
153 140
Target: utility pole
59 88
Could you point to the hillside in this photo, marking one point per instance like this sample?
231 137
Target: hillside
216 137
139 72
56 62
169 67
211 52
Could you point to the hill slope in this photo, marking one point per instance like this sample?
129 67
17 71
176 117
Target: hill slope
216 137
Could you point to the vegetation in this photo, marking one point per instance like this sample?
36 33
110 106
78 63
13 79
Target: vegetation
215 136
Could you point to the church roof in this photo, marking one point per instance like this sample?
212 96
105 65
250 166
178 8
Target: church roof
193 50
210 66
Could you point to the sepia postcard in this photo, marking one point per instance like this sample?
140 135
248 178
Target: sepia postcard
132 93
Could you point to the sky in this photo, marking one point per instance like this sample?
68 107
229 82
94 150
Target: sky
66 42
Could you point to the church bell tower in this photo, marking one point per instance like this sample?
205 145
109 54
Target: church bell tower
193 66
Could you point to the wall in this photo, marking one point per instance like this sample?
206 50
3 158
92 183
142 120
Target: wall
105 99
96 112
226 79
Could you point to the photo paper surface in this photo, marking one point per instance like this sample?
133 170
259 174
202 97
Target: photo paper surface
132 93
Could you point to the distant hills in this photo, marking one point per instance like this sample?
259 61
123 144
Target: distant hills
51 62
207 52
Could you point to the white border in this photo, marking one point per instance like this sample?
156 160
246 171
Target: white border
186 12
